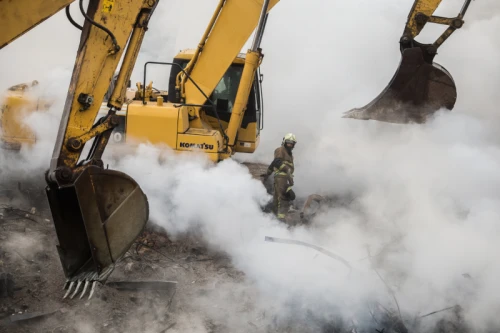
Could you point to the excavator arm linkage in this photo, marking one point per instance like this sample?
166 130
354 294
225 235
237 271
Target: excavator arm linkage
97 213
419 87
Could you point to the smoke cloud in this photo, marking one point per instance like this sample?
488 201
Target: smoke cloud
425 197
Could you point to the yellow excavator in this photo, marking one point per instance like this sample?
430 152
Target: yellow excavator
418 89
97 212
19 103
213 104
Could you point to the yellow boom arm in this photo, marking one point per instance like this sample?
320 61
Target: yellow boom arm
421 13
97 213
229 29
101 47
20 16
234 24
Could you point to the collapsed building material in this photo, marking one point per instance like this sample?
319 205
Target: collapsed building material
143 285
317 248
6 285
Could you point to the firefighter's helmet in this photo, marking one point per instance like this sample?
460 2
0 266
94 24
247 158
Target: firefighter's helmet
290 138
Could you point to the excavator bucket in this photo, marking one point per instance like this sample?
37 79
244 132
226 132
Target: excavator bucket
97 218
416 91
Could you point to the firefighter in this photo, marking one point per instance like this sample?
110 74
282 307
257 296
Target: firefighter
283 169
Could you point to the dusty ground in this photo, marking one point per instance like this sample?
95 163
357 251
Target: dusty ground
32 280
209 295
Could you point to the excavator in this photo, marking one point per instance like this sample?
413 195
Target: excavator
420 87
97 212
213 104
18 104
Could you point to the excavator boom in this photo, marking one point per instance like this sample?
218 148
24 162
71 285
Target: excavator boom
20 16
235 23
419 87
97 213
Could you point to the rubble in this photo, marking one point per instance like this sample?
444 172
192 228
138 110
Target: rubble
317 248
161 285
6 285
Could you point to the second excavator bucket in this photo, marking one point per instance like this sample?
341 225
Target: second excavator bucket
97 218
417 90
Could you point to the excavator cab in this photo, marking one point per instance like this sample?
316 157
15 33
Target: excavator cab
224 97
419 87
167 121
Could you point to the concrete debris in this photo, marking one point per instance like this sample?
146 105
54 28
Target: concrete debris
143 285
6 285
317 248
30 315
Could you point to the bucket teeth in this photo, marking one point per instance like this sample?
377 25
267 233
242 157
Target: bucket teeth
76 289
85 288
83 282
93 289
69 289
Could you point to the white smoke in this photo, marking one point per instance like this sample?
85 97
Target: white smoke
427 194
43 125
46 54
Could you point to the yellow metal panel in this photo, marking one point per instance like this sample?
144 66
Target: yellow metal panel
15 108
19 16
183 124
214 157
95 65
212 121
187 54
247 142
426 7
249 133
234 26
240 103
107 6
118 97
247 146
152 123
203 141
12 128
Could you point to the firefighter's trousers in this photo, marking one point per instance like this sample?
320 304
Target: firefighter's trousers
281 204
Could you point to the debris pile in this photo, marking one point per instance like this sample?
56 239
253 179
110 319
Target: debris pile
167 285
